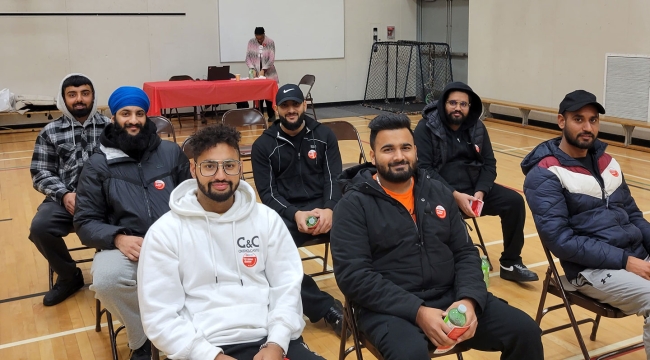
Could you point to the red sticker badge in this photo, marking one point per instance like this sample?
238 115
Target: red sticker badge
478 150
312 154
613 172
441 212
249 260
159 184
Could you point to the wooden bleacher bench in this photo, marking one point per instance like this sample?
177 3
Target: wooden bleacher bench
525 109
101 109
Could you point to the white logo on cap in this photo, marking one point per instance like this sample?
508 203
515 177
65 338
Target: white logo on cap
286 91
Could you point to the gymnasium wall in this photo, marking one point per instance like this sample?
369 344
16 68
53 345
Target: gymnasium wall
535 52
39 51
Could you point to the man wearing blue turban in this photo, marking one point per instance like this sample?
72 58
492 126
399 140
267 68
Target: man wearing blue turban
123 189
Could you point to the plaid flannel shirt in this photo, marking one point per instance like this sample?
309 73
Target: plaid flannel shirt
58 157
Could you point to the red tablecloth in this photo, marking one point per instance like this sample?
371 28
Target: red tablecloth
174 94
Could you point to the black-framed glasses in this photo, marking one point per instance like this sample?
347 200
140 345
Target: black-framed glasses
210 167
454 103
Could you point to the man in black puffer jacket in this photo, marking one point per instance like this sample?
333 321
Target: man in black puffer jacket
454 147
122 191
403 257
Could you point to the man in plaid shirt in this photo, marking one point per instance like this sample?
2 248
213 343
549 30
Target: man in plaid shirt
61 149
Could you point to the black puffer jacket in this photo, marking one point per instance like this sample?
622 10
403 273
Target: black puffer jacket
117 194
386 263
433 142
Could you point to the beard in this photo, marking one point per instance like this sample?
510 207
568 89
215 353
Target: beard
215 196
292 126
389 175
131 143
79 113
456 120
577 142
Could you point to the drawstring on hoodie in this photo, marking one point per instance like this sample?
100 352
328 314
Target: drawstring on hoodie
235 253
216 274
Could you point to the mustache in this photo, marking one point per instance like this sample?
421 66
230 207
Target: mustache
398 163
586 133
220 182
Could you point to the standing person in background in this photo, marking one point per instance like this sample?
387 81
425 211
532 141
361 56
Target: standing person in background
260 56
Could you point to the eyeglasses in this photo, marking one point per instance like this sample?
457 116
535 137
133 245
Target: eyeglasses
210 167
454 103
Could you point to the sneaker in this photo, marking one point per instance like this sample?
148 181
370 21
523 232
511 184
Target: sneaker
518 273
334 317
63 289
143 353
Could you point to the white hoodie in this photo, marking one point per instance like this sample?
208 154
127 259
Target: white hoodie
206 280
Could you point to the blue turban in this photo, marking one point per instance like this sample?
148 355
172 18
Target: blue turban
128 96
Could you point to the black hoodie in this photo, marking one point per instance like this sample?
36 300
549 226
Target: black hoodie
299 174
462 160
388 264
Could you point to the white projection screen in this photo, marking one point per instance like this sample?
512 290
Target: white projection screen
301 29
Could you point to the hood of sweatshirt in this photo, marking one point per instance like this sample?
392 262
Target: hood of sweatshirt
183 201
437 108
60 102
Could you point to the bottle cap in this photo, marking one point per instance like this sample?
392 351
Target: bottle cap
462 309
483 257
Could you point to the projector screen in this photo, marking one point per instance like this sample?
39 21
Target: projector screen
301 29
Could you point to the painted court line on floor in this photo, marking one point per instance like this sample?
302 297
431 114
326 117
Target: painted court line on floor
611 347
55 335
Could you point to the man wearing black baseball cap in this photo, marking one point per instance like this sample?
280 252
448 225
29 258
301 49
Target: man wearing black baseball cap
295 165
585 214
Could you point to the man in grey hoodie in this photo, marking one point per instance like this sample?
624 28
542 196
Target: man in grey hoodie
61 149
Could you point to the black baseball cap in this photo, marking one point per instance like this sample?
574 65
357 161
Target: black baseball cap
578 99
289 92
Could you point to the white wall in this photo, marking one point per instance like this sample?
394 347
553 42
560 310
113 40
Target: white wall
535 52
39 51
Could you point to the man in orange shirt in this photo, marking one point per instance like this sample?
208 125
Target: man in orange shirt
403 257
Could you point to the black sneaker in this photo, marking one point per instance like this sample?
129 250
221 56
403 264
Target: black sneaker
143 353
334 317
63 289
518 273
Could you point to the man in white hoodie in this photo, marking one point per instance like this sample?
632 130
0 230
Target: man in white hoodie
219 275
60 151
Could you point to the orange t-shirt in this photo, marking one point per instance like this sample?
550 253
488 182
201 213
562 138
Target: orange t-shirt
407 199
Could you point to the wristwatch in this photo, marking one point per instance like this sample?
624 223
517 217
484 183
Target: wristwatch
266 344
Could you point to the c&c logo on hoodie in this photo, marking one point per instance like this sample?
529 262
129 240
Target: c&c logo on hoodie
251 245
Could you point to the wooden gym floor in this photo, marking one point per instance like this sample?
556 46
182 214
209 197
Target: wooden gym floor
28 330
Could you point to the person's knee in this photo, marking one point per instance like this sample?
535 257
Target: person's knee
40 228
402 340
111 280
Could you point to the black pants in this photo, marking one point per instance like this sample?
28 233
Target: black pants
298 350
509 206
50 224
315 302
501 327
269 108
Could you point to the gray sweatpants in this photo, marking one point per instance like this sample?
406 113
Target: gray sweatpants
622 289
114 284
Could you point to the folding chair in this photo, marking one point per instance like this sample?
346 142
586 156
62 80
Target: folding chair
164 126
359 340
112 332
319 240
309 80
562 288
481 244
346 131
187 148
244 118
171 111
